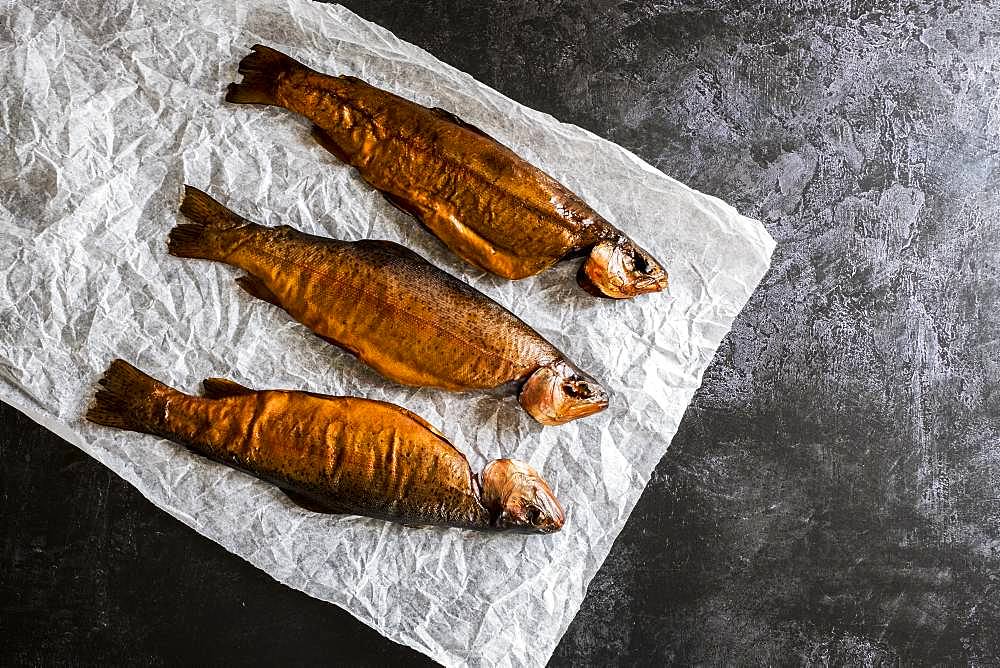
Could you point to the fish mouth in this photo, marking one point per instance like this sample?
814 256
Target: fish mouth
556 517
559 393
582 407
519 499
651 284
621 290
620 270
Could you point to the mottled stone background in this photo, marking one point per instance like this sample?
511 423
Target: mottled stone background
833 495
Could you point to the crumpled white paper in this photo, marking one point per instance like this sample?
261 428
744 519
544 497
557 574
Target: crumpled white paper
111 107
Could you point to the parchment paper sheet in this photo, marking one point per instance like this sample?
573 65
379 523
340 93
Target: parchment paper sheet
109 107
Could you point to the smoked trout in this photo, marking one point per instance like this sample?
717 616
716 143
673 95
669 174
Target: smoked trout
333 454
396 312
486 203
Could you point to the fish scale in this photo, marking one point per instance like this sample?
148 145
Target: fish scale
373 129
487 204
332 454
389 307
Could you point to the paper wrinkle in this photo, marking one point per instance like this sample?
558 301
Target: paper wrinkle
111 109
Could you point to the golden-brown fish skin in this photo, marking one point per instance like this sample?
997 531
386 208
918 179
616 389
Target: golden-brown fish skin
333 454
396 312
558 393
523 498
619 269
486 203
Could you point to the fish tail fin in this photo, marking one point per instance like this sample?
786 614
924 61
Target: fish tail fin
201 237
260 70
124 391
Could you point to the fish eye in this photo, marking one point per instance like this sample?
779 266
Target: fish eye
578 389
639 262
534 515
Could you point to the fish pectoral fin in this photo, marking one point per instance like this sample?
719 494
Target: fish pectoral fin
220 388
457 120
324 139
256 288
307 503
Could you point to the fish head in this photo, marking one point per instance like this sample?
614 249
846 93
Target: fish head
619 269
558 392
519 499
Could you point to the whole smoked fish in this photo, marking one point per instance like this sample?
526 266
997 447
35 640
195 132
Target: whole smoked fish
410 321
333 454
488 205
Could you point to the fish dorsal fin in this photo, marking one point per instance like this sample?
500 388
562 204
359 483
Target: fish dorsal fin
413 416
391 248
220 388
306 502
399 409
434 430
427 425
457 120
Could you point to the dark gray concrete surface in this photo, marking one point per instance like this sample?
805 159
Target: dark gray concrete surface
833 495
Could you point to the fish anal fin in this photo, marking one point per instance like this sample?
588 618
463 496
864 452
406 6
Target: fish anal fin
457 120
219 388
334 342
256 288
307 502
326 141
401 204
